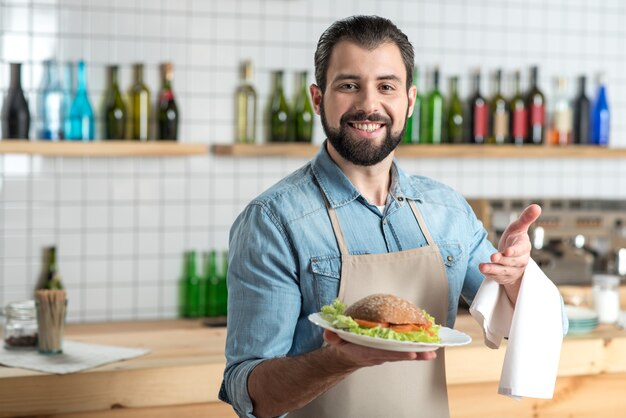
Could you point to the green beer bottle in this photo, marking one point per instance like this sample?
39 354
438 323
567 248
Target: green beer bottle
190 297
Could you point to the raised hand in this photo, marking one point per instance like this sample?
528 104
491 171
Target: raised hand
508 264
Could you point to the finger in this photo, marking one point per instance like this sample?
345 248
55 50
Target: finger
499 272
517 261
427 355
331 338
523 222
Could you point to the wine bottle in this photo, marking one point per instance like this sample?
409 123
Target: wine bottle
433 111
582 112
600 116
52 104
302 110
168 111
246 101
139 106
455 113
114 111
15 113
498 114
478 114
279 111
519 115
535 103
81 113
191 294
413 125
561 126
68 94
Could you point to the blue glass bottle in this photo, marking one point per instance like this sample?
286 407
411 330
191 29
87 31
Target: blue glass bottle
52 104
81 114
600 116
68 93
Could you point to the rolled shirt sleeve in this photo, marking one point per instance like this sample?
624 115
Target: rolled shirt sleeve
264 300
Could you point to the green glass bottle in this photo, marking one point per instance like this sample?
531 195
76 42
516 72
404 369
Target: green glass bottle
191 299
279 125
518 127
168 110
139 105
499 114
455 113
413 125
212 288
114 111
433 114
49 277
245 99
223 288
302 110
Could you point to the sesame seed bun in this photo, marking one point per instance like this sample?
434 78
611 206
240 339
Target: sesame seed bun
387 309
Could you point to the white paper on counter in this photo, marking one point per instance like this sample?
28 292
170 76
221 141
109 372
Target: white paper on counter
534 328
76 357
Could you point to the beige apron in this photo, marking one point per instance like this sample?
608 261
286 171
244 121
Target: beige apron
400 389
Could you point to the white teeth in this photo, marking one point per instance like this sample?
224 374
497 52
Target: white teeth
367 127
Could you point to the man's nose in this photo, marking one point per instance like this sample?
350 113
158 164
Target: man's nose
367 101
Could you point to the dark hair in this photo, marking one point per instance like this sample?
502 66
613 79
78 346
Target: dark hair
366 31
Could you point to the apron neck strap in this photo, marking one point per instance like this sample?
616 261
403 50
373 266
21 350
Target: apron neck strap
421 223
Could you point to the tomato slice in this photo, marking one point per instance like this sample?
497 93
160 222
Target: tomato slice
371 324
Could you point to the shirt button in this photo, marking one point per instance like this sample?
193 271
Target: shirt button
450 258
400 199
384 221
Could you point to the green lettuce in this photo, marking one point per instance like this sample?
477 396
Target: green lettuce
334 314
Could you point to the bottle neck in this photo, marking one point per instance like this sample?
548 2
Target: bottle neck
477 84
454 86
167 74
533 77
16 76
582 85
53 74
498 82
517 83
278 81
113 76
436 80
82 77
138 74
52 260
191 264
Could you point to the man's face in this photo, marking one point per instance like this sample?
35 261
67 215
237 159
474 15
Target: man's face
365 106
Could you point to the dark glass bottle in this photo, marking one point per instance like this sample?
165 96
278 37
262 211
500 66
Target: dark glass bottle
582 112
600 116
52 104
536 105
114 111
139 106
191 296
15 113
498 114
168 111
478 114
246 101
433 114
302 110
216 289
81 114
455 113
279 112
519 114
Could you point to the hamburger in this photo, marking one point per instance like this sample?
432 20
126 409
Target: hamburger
383 316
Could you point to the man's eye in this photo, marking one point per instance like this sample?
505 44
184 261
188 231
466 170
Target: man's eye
386 87
348 86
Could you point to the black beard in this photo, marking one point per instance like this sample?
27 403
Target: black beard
357 150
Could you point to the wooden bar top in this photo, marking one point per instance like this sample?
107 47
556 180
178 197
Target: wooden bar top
186 362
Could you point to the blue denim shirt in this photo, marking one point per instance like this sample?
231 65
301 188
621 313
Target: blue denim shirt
285 263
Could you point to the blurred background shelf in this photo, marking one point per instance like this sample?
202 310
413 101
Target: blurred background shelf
102 149
429 151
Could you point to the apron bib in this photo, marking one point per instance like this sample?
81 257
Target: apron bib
400 389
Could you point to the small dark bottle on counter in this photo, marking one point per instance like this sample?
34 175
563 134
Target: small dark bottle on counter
168 111
15 113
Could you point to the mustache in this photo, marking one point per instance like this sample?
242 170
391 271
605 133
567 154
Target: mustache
361 116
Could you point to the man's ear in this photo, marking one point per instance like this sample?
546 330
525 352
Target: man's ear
316 97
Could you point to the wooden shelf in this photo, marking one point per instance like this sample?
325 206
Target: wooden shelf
431 151
101 148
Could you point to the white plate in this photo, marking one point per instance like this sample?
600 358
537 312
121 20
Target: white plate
577 313
449 338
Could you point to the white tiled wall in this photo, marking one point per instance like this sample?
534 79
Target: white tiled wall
122 224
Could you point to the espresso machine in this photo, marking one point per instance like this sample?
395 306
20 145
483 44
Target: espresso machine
572 239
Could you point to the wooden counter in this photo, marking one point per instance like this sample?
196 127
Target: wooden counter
182 374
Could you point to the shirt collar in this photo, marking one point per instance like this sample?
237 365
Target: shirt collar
339 190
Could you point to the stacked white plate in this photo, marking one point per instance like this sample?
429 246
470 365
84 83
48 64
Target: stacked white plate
581 320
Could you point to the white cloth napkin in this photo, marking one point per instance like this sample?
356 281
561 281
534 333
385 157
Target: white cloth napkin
534 327
76 356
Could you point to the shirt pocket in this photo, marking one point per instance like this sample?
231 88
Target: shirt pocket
452 254
326 278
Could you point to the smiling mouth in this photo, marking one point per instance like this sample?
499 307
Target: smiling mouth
367 127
